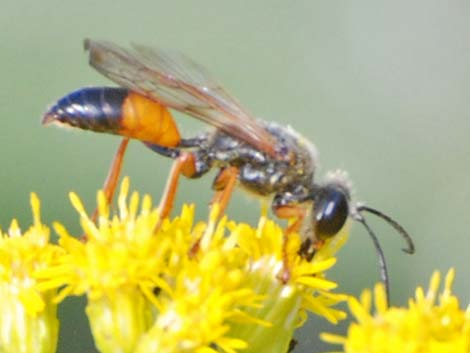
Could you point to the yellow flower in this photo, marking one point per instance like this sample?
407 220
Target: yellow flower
185 287
28 320
118 268
432 323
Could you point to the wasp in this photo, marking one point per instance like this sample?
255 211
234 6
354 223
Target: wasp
267 159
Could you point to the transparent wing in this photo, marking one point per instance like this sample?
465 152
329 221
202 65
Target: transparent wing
177 82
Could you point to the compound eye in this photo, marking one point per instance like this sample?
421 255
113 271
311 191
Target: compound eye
330 211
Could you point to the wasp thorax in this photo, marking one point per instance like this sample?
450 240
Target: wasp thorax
330 210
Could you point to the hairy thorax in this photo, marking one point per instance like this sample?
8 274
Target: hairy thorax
260 173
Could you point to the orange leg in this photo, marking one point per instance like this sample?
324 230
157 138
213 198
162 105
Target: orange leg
184 164
224 184
110 184
289 212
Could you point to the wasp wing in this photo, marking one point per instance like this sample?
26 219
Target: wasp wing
177 82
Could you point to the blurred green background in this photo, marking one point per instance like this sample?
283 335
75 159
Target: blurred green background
382 88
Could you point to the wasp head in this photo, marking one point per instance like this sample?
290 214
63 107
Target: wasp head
331 205
331 208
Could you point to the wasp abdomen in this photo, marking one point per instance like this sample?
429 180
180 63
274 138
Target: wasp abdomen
95 108
117 111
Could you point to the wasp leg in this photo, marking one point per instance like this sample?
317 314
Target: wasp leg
224 184
190 164
110 183
185 164
298 214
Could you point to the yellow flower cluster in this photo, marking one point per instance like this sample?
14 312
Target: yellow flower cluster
206 287
183 286
432 323
28 320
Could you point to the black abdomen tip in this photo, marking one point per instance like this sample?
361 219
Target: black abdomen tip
94 108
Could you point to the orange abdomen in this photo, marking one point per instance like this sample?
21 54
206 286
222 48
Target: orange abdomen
116 111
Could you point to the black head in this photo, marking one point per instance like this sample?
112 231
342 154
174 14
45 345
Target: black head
331 208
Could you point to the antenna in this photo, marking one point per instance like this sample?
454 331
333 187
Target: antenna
409 242
410 249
